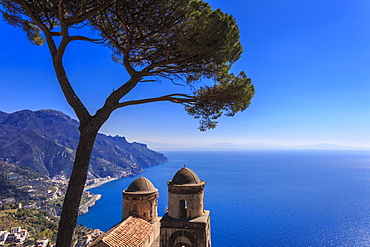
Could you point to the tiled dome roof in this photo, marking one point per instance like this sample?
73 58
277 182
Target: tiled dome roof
185 176
141 185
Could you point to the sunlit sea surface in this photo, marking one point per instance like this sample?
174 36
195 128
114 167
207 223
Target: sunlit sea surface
265 198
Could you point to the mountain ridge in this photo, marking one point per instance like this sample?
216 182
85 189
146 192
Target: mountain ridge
46 140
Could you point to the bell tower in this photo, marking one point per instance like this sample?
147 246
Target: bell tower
140 199
186 223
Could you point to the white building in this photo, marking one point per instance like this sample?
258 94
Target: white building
42 242
17 235
3 236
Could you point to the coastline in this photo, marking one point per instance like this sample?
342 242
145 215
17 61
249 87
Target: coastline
83 209
99 183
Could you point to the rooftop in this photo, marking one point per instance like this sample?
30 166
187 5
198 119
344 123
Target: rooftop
131 232
141 185
185 176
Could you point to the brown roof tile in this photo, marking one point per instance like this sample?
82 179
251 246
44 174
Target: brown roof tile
131 232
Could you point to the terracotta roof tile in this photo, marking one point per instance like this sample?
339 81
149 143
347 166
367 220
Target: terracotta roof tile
131 232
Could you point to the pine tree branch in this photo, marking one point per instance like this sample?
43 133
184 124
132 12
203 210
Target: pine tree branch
56 33
174 98
83 38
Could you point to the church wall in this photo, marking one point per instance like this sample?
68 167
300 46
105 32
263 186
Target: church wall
154 239
176 231
192 237
195 205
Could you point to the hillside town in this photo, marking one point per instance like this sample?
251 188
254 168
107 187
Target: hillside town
38 192
30 206
21 237
33 227
17 236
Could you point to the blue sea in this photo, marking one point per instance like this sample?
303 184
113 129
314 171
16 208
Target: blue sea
265 197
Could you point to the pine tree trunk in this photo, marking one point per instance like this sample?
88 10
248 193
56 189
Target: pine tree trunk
76 186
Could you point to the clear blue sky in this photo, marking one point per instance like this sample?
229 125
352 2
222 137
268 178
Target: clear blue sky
309 61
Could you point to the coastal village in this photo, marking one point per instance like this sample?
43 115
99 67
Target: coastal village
42 207
17 236
21 237
48 194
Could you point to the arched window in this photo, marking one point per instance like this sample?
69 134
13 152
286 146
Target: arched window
148 210
182 238
183 208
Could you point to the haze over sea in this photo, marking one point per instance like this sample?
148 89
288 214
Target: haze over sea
265 197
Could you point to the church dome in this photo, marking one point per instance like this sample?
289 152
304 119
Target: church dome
141 185
185 176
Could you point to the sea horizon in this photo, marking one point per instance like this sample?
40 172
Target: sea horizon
230 146
265 197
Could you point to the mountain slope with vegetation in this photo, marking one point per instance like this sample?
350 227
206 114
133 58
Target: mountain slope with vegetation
45 141
15 180
38 223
